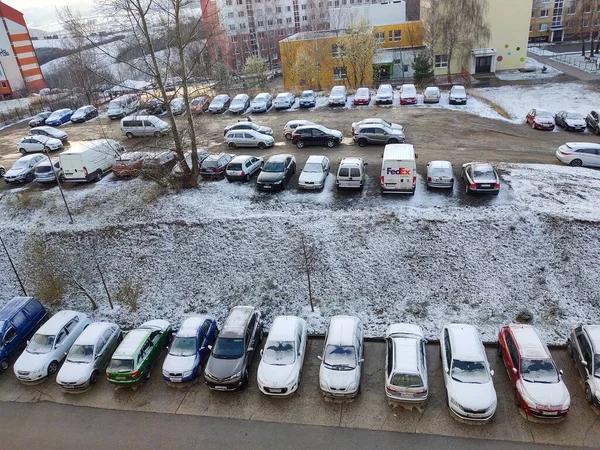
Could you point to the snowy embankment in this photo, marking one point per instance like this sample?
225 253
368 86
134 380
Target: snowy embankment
429 259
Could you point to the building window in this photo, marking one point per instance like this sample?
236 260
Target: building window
544 13
261 35
338 51
441 61
405 68
569 24
260 23
232 27
229 2
584 23
543 27
272 33
340 73
336 3
270 22
289 8
279 21
303 6
304 18
397 35
230 14
587 8
390 35
242 26
240 13
571 10
380 36
546 1
233 39
240 2
288 20
278 9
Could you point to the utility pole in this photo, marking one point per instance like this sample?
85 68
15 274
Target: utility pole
57 178
13 267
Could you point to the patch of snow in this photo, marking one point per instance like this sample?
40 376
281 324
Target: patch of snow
540 51
510 75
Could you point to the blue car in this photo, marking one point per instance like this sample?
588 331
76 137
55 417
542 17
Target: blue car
59 117
190 349
19 319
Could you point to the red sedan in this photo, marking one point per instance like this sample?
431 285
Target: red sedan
540 119
362 97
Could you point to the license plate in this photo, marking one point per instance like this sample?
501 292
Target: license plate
485 185
220 388
120 378
549 413
267 186
235 173
439 179
176 379
275 391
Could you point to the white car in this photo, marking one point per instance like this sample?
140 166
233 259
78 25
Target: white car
406 364
378 121
440 174
314 173
343 355
338 96
52 132
284 100
49 346
385 94
262 102
579 154
282 356
46 172
467 374
243 167
289 127
31 144
458 95
88 357
432 94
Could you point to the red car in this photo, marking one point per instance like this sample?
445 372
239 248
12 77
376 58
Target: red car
362 97
539 388
408 94
199 104
129 164
540 119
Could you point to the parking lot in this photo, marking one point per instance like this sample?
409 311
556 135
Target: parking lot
369 410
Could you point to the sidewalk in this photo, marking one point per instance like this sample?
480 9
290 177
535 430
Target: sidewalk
565 68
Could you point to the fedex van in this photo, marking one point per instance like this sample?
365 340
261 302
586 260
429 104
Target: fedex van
89 160
399 169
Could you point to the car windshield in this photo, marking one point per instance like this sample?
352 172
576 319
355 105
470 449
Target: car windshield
81 354
307 94
407 380
56 115
337 91
313 167
234 166
458 90
574 115
121 365
40 344
543 114
183 346
282 97
274 166
409 90
228 348
440 172
384 89
469 371
430 91
218 101
238 101
539 371
362 92
340 357
484 174
20 164
210 163
596 363
279 353
197 101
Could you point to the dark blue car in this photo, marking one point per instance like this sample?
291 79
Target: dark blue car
19 319
190 349
59 117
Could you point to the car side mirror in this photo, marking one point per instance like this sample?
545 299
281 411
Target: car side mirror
447 370
514 369
261 352
366 164
209 347
250 349
492 373
584 362
560 372
382 155
319 357
362 360
416 156
99 355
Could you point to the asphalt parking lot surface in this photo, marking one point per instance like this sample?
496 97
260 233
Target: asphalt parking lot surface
369 410
435 133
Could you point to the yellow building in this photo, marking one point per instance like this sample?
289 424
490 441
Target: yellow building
317 60
507 48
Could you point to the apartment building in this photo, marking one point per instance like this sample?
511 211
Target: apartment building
19 68
547 21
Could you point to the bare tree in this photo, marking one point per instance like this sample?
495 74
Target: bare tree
308 253
357 46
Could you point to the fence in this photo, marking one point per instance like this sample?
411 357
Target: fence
587 65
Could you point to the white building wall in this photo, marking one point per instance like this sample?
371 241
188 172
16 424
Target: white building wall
378 14
9 67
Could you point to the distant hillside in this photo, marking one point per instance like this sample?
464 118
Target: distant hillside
37 33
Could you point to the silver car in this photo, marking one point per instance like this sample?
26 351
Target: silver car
23 169
440 174
584 346
378 121
245 125
46 172
284 100
372 133
239 104
248 138
262 102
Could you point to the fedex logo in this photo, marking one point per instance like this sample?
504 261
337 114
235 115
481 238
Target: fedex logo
400 171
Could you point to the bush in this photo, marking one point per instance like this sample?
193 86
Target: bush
48 283
128 294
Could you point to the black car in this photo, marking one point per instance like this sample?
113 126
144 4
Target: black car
593 121
84 114
219 104
480 178
213 166
228 366
316 135
39 119
570 120
157 165
155 107
276 173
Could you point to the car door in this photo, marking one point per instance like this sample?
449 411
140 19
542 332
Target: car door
446 357
11 339
250 166
530 116
583 361
594 157
380 136
326 167
318 137
288 168
99 350
389 358
512 359
252 339
61 346
206 338
111 340
250 140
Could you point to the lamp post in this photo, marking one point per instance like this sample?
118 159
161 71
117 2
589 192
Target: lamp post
57 178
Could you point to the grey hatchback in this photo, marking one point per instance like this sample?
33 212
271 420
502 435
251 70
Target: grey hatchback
229 362
378 134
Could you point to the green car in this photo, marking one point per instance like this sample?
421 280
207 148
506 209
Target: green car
133 359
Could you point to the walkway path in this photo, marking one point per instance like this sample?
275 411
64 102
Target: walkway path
569 70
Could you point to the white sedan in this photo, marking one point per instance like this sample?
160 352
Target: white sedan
314 173
49 346
89 355
282 357
467 374
52 132
31 144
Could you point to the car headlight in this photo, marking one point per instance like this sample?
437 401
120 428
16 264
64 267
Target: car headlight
323 385
234 376
528 400
207 374
352 386
455 403
187 373
278 182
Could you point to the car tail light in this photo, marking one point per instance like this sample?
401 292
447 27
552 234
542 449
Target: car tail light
422 391
564 153
382 181
107 374
391 389
429 179
85 172
414 182
472 186
352 130
135 374
497 186
243 173
451 180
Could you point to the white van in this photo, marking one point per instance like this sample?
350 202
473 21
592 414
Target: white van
399 169
351 173
144 126
122 106
89 160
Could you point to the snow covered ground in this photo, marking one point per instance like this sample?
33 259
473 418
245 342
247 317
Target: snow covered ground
539 50
428 259
519 100
511 75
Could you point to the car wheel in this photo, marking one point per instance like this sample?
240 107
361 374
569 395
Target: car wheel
94 377
569 348
330 143
467 190
29 178
262 145
147 373
52 368
362 142
393 141
22 151
61 178
129 135
248 177
300 143
157 134
588 394
98 176
288 136
4 364
232 145
576 163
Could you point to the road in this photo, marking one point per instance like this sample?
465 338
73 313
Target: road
50 426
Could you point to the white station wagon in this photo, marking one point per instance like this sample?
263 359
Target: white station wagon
88 357
282 357
49 346
343 355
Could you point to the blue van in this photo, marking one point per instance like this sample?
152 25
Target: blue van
19 318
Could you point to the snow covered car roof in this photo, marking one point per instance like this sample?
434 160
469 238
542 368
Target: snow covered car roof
466 343
593 331
190 326
58 320
235 323
342 330
284 328
403 329
90 335
406 350
529 342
